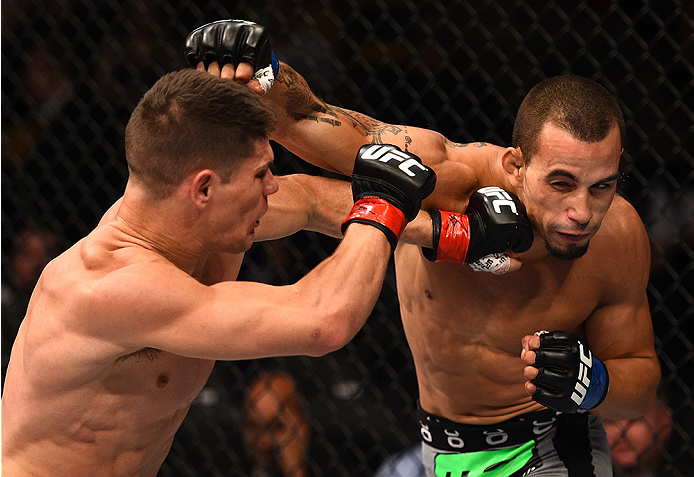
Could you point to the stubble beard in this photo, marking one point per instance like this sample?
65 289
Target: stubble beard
570 253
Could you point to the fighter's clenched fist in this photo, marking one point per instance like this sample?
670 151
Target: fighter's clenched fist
493 223
563 372
239 48
388 186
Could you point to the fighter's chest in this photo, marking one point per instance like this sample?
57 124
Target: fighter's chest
535 296
165 377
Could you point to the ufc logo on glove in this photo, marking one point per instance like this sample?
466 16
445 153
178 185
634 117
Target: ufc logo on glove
583 382
502 199
385 153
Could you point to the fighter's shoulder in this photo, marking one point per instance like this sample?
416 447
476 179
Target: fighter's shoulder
623 231
101 267
623 219
440 149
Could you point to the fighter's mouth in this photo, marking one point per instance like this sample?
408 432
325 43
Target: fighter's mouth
573 237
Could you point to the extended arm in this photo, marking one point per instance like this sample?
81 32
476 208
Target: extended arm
229 320
329 136
320 204
174 312
323 134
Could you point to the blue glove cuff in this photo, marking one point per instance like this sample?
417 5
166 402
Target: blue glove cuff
275 64
599 384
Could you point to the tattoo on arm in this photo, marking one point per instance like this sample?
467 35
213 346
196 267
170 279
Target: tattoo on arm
408 139
368 125
302 104
458 144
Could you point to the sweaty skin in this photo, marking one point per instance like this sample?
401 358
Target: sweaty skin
471 333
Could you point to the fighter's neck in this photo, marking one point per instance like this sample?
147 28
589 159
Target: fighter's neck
162 228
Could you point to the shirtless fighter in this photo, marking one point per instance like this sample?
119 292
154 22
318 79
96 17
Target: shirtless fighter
122 329
484 408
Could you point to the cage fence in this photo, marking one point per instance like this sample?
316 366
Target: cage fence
73 70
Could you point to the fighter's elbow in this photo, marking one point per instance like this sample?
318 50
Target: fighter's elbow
333 332
633 395
652 386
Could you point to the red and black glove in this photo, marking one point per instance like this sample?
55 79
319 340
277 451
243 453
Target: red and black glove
388 186
493 222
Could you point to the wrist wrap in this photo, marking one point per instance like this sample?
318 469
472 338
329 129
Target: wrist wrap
451 237
381 214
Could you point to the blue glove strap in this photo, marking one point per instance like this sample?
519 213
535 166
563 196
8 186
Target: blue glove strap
275 64
599 383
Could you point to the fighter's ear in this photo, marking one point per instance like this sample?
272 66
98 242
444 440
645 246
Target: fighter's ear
514 165
201 187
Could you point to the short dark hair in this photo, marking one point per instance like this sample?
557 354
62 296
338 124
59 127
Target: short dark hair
192 120
578 105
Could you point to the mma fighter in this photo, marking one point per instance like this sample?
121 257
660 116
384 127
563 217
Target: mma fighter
515 371
122 329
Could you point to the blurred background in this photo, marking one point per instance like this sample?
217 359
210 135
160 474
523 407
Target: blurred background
73 70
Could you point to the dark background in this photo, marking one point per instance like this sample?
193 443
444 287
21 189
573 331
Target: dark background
73 70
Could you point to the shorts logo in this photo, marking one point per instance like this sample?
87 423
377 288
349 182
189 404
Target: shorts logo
384 153
540 427
426 433
583 382
500 198
494 438
454 439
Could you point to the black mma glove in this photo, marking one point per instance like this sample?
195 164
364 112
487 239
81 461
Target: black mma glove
388 186
234 41
494 221
570 377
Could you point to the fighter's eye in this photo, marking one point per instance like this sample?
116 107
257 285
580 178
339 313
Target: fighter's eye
604 185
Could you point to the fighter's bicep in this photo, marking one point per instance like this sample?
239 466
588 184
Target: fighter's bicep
244 320
225 321
621 330
622 323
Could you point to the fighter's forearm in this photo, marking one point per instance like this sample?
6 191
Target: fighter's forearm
419 231
322 134
292 99
304 202
343 289
633 384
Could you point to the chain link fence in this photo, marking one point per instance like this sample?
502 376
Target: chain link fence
73 70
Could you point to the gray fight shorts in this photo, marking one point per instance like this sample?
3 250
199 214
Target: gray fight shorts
544 443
